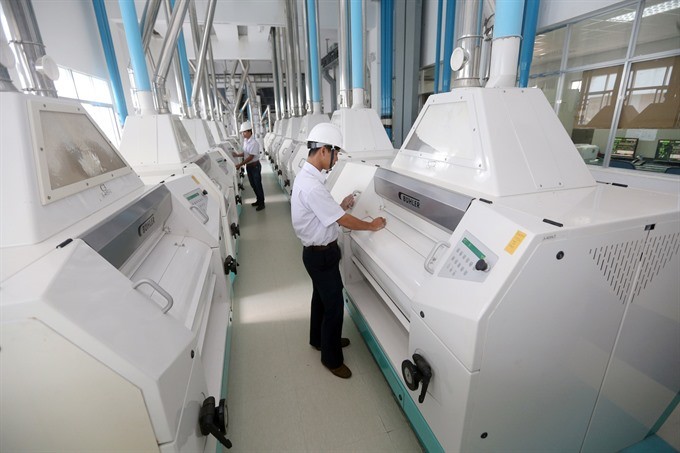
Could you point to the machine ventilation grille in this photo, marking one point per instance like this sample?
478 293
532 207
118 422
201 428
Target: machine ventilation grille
618 262
658 252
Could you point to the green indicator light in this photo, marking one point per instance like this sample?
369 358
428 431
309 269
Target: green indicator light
474 249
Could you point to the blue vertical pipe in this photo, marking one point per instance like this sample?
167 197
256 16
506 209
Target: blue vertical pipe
357 38
526 52
386 44
448 43
134 40
508 19
183 62
111 63
383 108
438 50
313 41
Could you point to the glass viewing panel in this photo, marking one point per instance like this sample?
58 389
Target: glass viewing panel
600 39
74 149
444 133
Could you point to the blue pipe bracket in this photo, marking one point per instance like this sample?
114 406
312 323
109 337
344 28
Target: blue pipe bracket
111 62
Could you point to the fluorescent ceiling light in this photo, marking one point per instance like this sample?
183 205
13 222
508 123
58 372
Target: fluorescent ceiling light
649 11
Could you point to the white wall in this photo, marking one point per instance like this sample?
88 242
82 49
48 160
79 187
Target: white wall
69 32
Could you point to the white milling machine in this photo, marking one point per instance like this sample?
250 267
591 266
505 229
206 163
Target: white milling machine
541 309
115 310
285 140
292 148
159 148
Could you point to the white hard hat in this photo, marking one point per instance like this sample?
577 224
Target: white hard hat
326 134
246 126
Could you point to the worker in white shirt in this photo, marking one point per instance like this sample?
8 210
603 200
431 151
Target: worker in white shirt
251 155
317 219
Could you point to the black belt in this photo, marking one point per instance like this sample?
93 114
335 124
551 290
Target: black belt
318 248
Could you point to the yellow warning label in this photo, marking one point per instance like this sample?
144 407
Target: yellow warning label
515 242
195 180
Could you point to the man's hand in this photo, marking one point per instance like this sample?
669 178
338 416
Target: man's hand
378 223
234 154
347 202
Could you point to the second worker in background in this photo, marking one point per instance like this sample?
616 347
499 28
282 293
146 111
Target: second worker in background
251 160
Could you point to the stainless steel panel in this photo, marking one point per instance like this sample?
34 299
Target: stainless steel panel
119 236
440 206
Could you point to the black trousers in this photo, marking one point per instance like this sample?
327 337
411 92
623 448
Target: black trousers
325 329
255 179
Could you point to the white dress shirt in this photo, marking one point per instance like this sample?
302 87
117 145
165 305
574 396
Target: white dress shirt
251 148
314 212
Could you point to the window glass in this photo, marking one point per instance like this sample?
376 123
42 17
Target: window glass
600 39
95 95
106 120
64 84
84 86
548 85
652 100
659 27
101 91
548 51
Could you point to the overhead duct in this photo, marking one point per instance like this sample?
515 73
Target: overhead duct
37 71
465 59
284 79
179 82
167 51
200 66
196 34
343 72
275 72
297 60
290 56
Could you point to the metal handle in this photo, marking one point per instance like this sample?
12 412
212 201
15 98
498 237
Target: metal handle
201 213
431 259
157 287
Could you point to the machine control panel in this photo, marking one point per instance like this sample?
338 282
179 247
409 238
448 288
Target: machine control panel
198 199
470 260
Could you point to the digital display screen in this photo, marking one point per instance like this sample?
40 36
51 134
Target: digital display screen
668 150
624 148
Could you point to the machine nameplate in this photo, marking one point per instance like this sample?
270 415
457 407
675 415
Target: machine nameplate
460 265
119 236
443 207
